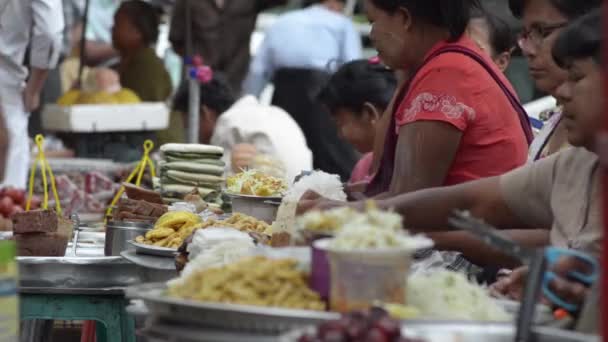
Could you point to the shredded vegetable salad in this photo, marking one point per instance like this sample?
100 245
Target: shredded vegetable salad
256 183
448 295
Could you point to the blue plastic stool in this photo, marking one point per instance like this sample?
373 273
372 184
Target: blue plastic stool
109 310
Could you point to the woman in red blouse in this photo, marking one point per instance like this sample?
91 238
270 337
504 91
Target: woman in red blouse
457 119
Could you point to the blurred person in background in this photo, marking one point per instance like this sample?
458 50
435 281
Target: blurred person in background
98 33
493 35
36 24
221 33
357 95
253 135
134 35
543 20
298 54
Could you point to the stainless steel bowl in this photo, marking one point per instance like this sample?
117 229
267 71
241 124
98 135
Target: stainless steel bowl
262 208
118 233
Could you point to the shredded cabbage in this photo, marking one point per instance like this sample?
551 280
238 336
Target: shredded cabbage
372 229
215 247
446 295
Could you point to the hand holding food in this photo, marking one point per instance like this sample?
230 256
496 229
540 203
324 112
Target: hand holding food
252 281
171 230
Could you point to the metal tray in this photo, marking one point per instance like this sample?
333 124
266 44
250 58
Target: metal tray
54 274
152 268
224 316
141 248
468 332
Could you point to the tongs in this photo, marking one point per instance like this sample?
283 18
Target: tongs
537 260
76 224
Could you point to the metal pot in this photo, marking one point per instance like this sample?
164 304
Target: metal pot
262 208
118 233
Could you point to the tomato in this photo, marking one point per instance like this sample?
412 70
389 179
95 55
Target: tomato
17 195
6 206
14 210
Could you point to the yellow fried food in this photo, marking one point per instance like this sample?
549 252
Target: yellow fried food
159 233
171 229
256 281
256 183
240 222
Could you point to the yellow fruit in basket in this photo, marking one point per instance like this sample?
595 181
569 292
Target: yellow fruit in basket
126 96
70 98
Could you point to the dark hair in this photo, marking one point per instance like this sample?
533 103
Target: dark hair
307 3
453 15
571 9
217 95
145 17
502 37
358 82
581 39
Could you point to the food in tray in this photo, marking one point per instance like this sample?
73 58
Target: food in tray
326 222
256 183
171 229
445 295
353 230
240 222
373 325
41 233
258 281
213 247
101 86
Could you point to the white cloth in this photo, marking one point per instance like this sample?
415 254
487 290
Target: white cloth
35 23
17 162
270 129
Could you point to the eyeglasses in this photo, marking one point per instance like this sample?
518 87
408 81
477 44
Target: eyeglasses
537 33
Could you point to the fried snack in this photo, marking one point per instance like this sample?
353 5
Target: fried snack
255 281
240 222
171 230
256 183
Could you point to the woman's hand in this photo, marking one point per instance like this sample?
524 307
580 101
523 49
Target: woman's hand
573 292
313 201
242 156
512 285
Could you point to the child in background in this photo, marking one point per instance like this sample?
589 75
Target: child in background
493 35
357 95
134 35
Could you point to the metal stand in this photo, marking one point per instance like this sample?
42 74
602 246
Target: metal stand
527 309
194 91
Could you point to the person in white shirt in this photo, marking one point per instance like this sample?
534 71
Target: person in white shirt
39 25
254 135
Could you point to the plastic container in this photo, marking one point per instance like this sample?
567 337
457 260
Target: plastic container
319 273
359 278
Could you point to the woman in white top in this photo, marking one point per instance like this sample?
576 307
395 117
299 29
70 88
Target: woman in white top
254 135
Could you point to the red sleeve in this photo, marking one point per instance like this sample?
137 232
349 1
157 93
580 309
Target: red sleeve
443 91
